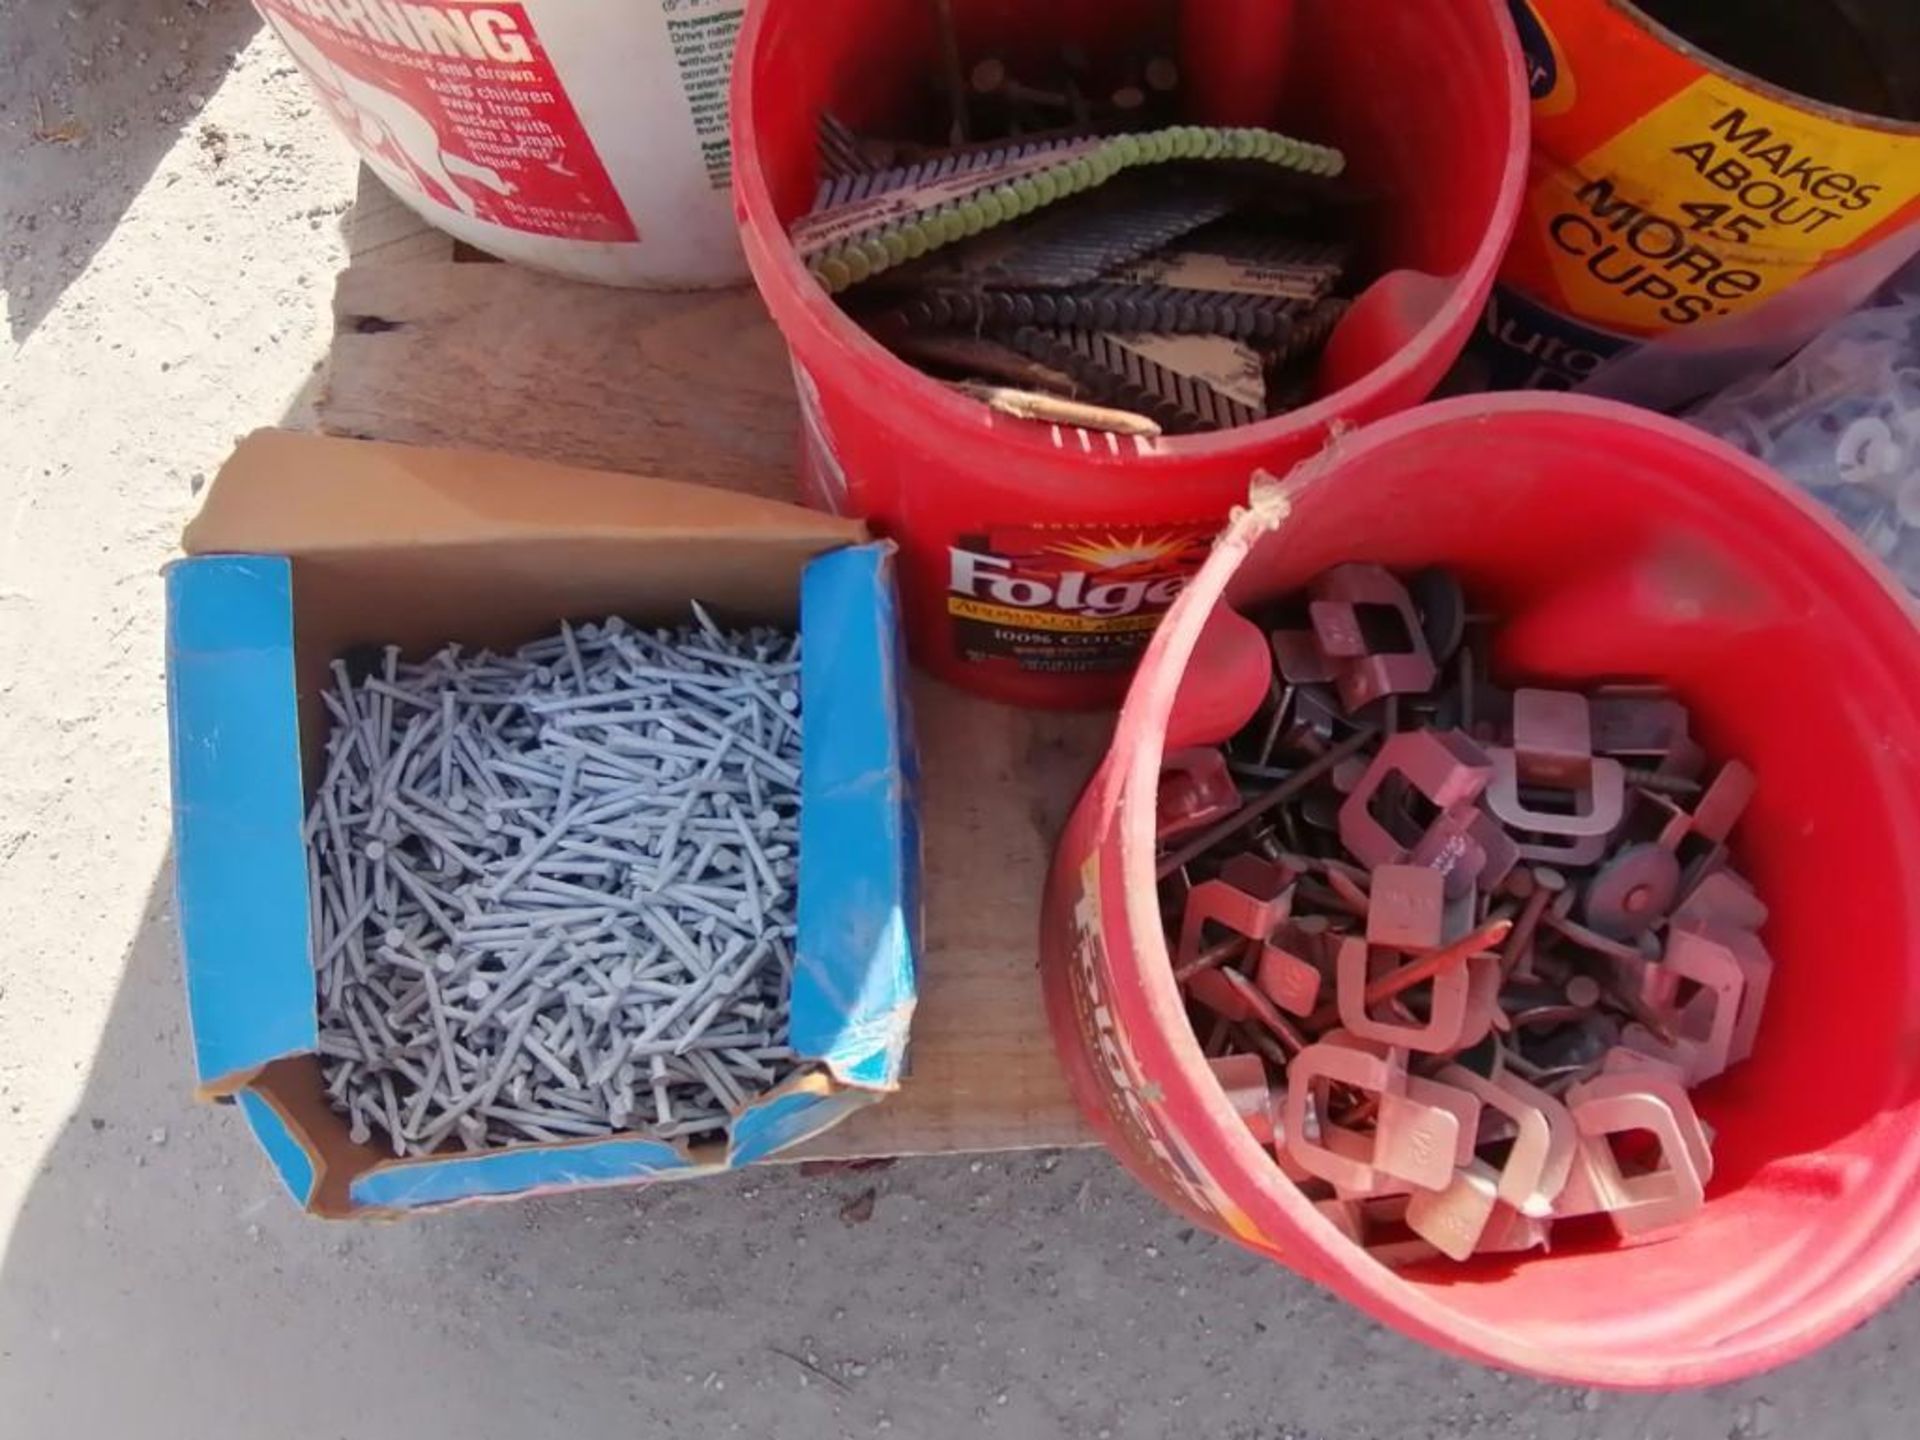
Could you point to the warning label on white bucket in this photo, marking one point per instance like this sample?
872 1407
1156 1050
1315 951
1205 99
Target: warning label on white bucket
459 102
703 34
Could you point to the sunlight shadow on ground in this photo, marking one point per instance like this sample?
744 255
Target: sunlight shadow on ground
93 93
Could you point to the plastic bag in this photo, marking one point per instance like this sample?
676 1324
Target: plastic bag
1842 421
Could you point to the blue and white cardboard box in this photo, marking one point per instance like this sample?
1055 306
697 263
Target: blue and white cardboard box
307 547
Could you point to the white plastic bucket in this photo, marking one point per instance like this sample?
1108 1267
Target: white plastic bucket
583 137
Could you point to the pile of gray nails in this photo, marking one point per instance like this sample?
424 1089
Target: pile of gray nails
554 891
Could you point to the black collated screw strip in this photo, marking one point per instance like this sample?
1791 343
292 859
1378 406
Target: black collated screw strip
1076 245
840 152
1237 241
982 357
1309 269
1114 375
846 188
1111 306
1306 337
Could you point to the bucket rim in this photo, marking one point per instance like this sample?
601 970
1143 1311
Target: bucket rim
1759 84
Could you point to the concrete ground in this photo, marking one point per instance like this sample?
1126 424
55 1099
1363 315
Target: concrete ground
171 226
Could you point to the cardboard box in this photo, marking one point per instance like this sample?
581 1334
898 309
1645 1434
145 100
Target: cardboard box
307 547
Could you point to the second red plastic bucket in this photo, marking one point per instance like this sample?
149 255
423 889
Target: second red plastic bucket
1035 561
1616 545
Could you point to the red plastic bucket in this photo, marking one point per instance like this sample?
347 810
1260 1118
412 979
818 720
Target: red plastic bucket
1035 562
1617 544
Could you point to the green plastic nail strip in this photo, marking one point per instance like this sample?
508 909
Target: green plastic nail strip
864 256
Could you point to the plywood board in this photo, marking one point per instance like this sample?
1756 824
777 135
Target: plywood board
382 231
693 385
997 785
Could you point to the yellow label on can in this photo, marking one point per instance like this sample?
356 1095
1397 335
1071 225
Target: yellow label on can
1665 194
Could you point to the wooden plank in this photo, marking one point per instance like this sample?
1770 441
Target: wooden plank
695 386
997 784
382 231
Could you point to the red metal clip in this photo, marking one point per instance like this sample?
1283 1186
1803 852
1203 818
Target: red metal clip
1553 750
1406 908
1454 1218
1723 898
1366 624
1544 1140
1717 811
1424 1132
1644 722
1443 766
1289 971
1648 1192
1720 1021
1249 897
1338 1154
1460 1009
1196 789
1469 848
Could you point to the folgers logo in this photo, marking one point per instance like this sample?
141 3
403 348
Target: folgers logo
1059 599
1108 593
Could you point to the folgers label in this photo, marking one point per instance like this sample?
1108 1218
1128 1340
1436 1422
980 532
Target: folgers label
1668 190
1067 599
1135 1104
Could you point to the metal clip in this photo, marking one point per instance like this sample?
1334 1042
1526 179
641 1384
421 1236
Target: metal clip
1460 1010
1716 812
1346 1217
1508 1232
1249 897
1719 1022
1196 788
1424 1132
1650 1192
1338 1154
1366 624
1544 1142
1289 972
1644 722
1723 898
1553 751
1469 849
1454 1219
1244 1079
1297 655
1406 908
1443 767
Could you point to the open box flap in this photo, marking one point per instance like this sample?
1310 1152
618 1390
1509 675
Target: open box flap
240 873
291 1159
522 1170
286 493
859 921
